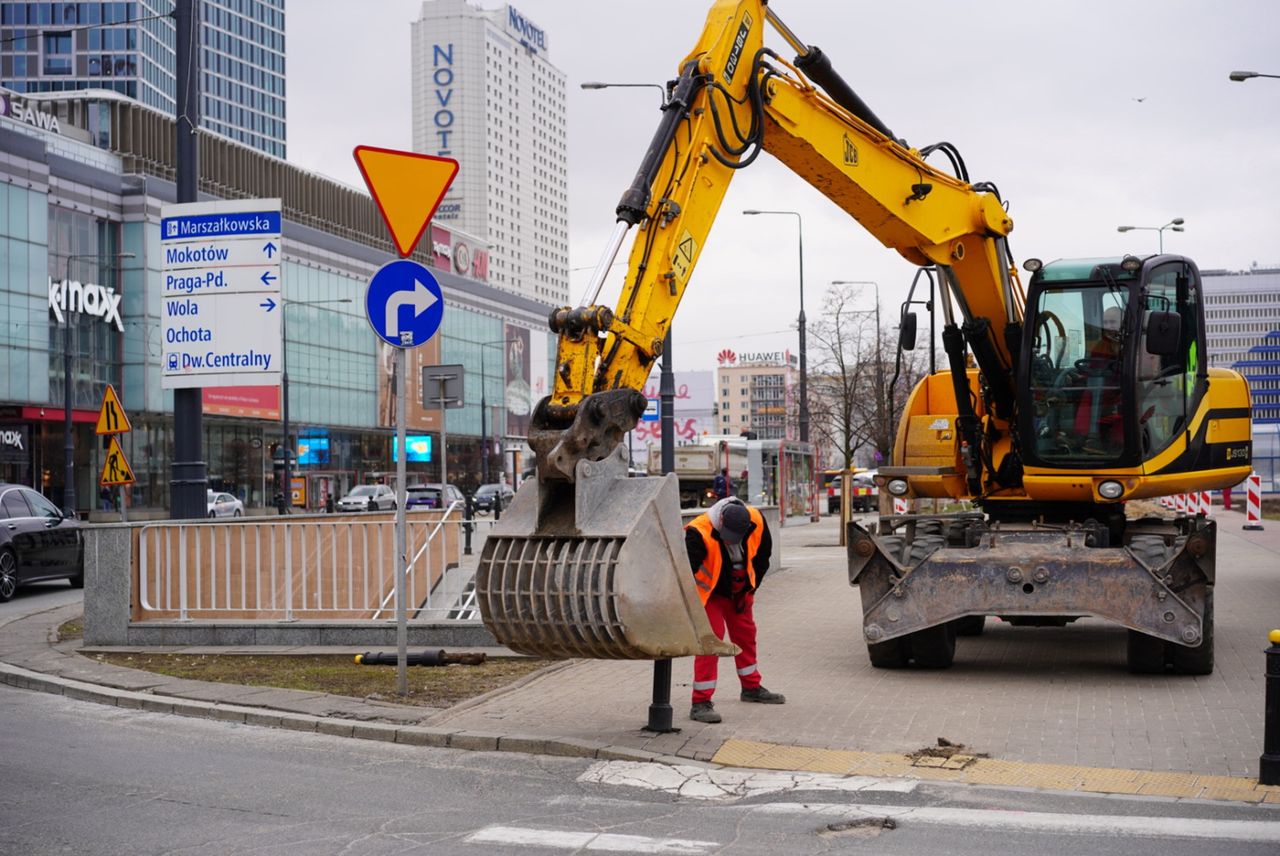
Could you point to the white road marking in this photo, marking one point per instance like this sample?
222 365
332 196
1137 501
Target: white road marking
705 783
1037 821
568 840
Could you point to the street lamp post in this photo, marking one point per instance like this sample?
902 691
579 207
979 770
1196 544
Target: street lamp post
804 357
69 447
287 452
1174 225
595 84
1245 75
484 407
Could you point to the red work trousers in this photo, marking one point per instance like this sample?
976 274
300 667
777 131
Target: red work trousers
742 632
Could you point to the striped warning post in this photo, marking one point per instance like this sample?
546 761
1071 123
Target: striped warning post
1206 503
1180 503
1253 502
901 506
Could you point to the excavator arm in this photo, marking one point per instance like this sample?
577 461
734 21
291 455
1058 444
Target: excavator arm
590 563
733 99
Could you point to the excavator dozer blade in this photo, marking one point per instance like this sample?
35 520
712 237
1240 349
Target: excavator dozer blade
594 568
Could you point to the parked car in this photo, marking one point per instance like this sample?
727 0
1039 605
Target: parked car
368 497
37 542
487 494
224 505
428 496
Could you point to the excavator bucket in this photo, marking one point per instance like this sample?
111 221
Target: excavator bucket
594 568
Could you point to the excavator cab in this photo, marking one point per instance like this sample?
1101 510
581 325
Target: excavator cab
1114 363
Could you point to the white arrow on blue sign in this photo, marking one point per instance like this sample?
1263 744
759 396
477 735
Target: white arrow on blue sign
404 304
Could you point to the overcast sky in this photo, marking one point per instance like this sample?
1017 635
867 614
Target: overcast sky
1086 114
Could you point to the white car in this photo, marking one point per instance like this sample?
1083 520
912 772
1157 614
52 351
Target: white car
224 505
368 497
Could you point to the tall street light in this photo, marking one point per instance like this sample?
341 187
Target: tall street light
804 357
595 84
287 451
484 406
1174 225
1245 75
69 448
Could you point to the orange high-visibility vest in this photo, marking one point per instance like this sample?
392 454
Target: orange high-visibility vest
708 574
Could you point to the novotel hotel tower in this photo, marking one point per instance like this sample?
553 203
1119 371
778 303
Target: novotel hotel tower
486 94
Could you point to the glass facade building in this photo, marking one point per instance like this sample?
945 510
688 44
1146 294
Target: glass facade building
1242 329
129 48
81 272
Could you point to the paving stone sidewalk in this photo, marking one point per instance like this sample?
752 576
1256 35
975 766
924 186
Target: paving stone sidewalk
1045 696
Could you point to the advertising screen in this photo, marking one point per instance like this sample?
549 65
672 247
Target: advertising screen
313 450
419 449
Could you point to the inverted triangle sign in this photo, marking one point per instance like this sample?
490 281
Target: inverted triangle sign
407 187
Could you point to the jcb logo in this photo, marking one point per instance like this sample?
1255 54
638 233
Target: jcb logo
850 152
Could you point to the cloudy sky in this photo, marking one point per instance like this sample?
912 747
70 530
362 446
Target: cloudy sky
1087 114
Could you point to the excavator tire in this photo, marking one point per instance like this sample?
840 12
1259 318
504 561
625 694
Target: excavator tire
1197 660
1148 655
970 625
933 647
1145 654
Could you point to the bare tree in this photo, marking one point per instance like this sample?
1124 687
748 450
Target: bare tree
855 360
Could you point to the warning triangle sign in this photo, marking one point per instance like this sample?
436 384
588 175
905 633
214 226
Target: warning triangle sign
115 469
111 416
407 187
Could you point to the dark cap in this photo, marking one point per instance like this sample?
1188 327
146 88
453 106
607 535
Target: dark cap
735 522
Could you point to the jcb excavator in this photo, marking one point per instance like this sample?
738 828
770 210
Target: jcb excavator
1060 405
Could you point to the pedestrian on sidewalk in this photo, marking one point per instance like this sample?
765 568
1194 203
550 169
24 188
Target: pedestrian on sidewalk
729 548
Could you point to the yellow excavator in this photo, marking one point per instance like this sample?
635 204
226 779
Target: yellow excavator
1063 401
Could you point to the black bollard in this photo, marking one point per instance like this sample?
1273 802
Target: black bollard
660 709
1269 763
467 527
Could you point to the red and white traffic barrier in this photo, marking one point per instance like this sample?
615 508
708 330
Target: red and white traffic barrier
1180 503
901 506
1206 503
1253 502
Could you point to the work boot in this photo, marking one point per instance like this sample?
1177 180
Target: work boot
704 711
760 695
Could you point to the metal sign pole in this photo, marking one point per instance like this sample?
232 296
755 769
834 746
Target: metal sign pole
402 630
444 475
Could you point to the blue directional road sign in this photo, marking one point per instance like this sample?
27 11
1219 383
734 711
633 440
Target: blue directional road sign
404 304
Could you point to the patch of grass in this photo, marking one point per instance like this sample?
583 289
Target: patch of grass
434 686
73 629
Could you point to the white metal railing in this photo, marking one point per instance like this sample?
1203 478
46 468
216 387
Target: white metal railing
320 567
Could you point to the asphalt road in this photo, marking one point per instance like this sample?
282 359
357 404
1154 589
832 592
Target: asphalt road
85 778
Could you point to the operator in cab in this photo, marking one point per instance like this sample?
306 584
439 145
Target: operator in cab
1099 420
729 547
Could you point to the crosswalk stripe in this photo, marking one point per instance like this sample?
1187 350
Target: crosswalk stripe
1038 821
568 839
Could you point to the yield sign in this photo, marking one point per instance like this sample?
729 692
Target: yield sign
111 416
407 188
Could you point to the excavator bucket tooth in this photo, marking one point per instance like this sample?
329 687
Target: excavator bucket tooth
594 568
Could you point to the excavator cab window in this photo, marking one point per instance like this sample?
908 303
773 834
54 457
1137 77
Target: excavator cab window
1077 370
1169 383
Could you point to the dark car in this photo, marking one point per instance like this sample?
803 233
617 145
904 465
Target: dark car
428 496
487 494
36 541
